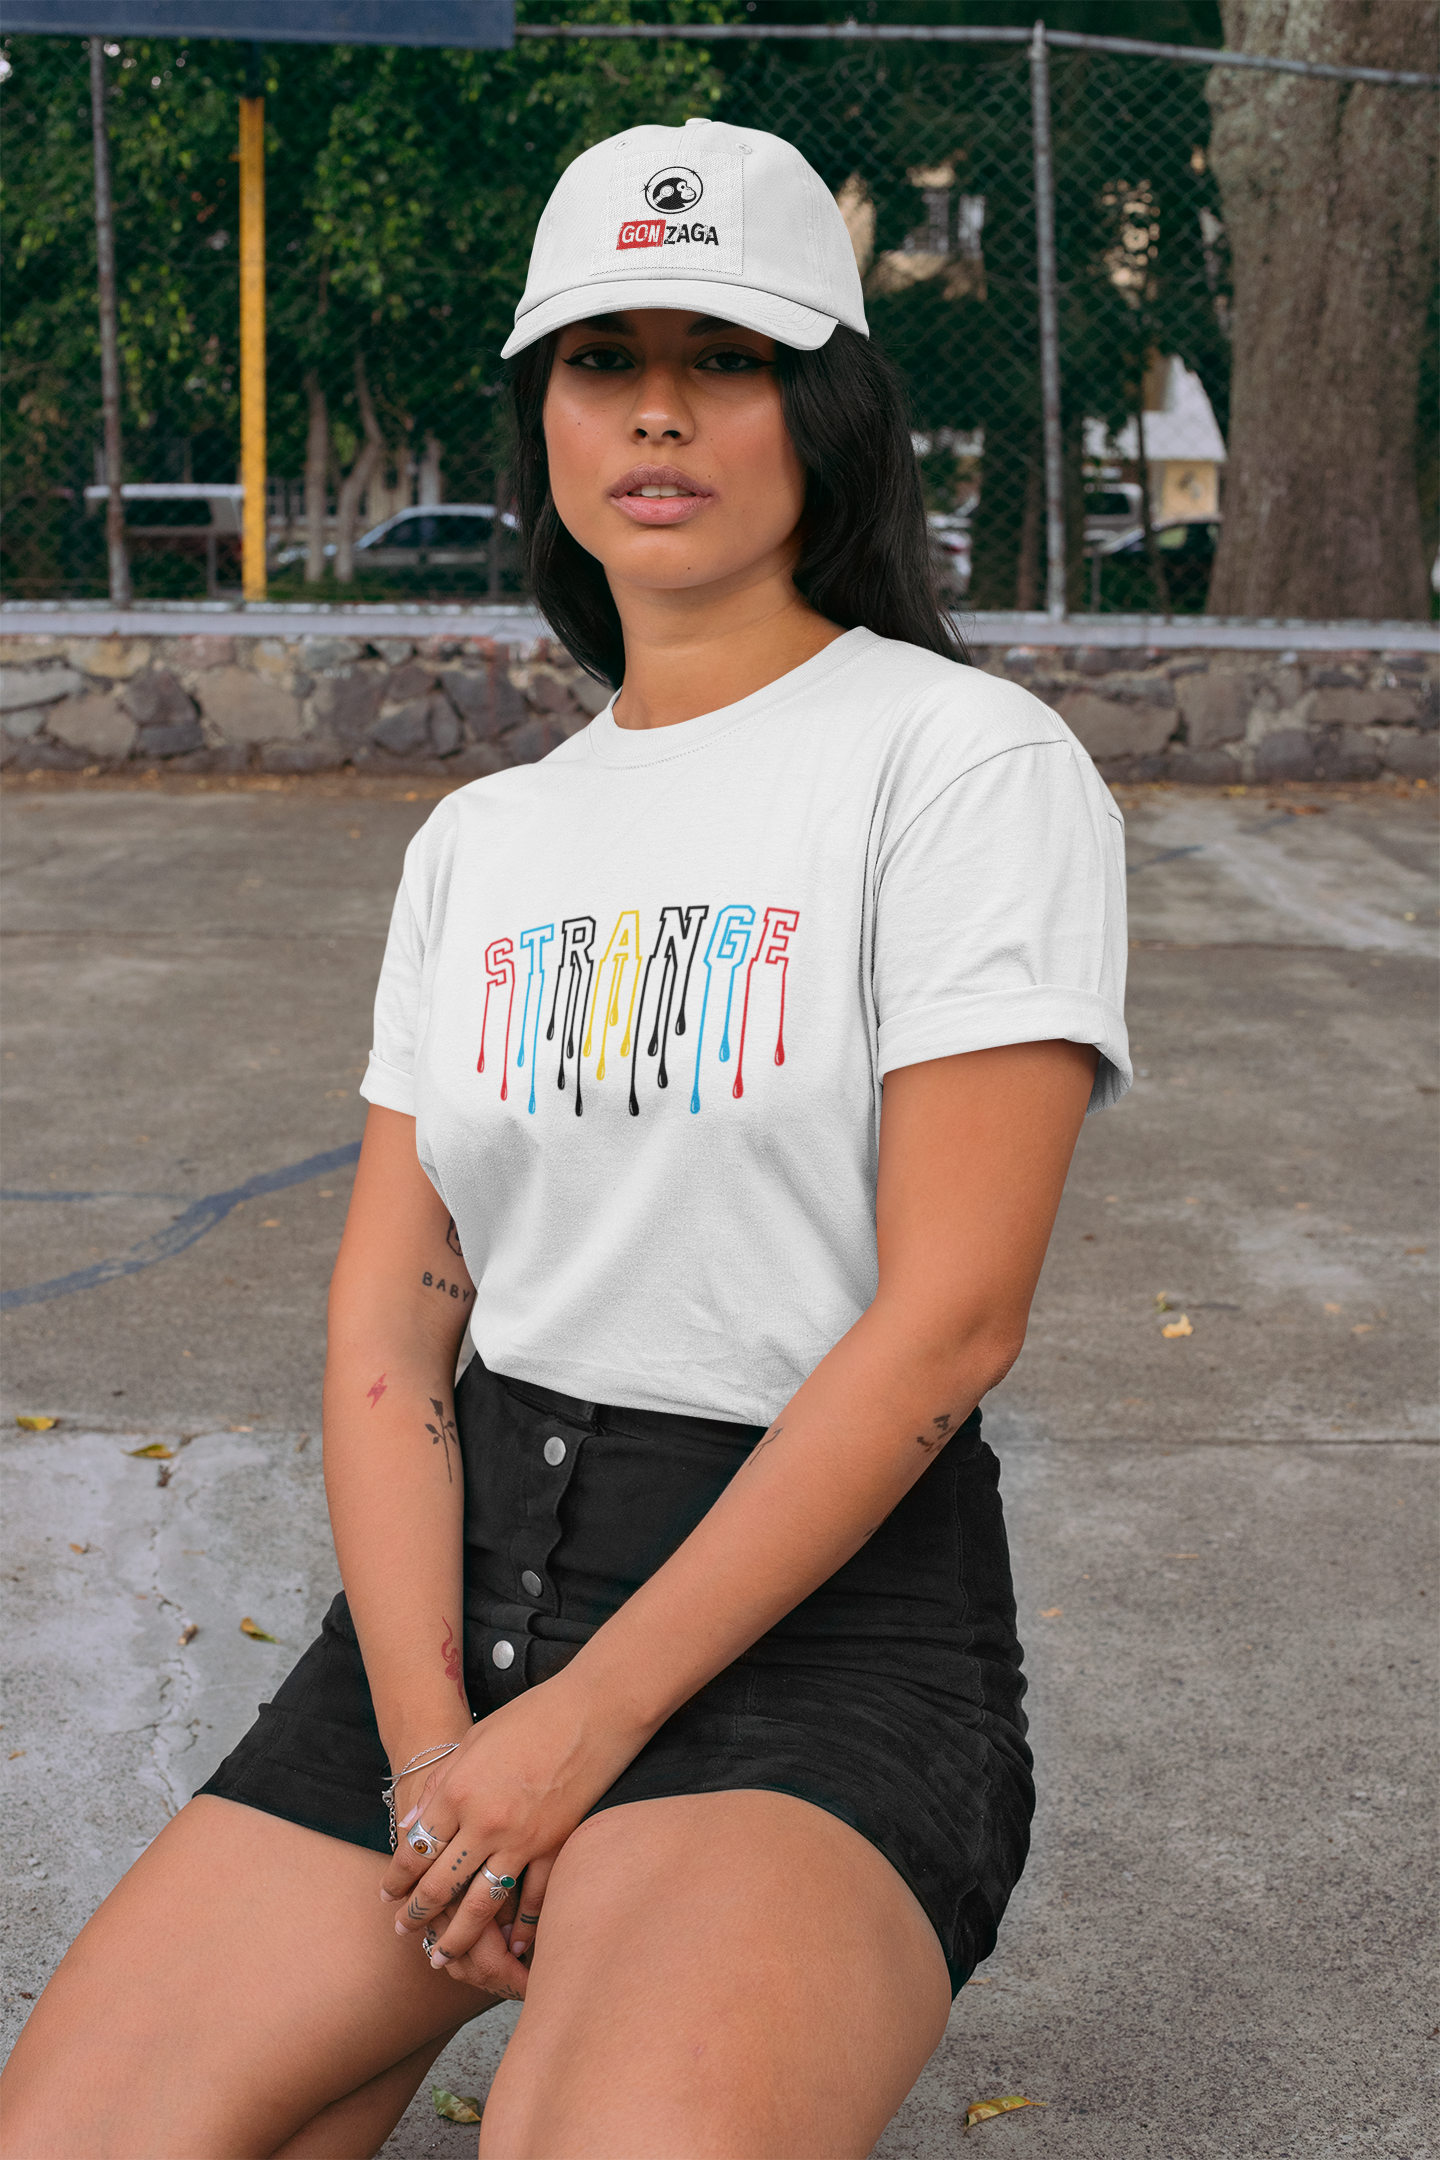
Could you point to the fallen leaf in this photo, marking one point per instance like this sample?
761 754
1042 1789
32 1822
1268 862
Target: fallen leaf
979 1980
1162 1301
1334 1308
1366 1327
187 1633
1182 1556
1178 1327
78 1548
37 1424
255 1631
1235 791
271 1223
1414 1248
983 2110
1051 1612
447 2104
155 1452
16 1753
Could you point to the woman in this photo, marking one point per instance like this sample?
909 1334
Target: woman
727 1069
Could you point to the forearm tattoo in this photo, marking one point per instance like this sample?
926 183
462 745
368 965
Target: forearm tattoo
452 1239
451 1660
442 1432
944 1425
764 1441
375 1390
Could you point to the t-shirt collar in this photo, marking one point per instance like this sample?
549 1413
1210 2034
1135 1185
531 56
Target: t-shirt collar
616 745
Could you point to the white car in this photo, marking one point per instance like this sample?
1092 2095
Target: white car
428 536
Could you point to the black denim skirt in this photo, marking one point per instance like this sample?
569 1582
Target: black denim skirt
891 1697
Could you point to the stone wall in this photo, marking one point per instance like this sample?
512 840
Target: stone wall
1215 717
454 706
463 707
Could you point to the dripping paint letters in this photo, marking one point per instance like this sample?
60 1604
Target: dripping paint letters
630 1003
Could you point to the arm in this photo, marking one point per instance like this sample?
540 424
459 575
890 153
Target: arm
973 1156
392 1463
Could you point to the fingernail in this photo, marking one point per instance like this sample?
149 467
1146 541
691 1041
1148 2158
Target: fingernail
439 1960
413 1817
387 1897
400 1928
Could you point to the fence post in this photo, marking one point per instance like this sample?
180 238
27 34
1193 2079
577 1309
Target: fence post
1049 327
109 334
252 333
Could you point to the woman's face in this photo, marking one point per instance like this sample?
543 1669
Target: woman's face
669 456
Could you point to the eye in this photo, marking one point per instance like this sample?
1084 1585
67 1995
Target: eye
732 360
601 359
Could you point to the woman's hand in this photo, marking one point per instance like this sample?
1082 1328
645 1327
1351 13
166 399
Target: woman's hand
505 1803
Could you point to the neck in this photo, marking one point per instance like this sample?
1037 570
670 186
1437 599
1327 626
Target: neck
694 649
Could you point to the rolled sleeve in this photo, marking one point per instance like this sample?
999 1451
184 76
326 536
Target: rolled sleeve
1001 917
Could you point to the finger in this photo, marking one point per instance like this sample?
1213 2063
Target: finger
435 1817
490 1967
530 1899
485 1903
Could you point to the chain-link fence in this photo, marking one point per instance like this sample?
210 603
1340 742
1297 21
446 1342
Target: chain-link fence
402 190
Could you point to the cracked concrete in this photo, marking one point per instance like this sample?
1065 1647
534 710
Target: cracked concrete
1224 1545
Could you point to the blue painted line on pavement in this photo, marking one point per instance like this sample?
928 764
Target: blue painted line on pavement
1170 855
201 1216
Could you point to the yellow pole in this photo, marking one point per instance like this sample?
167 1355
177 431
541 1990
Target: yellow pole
252 341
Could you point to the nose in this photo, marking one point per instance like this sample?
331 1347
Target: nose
661 411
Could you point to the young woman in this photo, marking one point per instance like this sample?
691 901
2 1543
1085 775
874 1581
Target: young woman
727 1069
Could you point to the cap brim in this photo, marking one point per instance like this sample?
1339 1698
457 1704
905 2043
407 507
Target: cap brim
784 320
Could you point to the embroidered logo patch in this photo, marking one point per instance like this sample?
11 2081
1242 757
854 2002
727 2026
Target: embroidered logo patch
675 189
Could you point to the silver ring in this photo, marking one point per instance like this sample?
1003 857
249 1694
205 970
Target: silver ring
501 1885
425 1842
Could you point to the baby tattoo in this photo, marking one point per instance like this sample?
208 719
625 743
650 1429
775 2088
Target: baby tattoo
441 1434
456 1290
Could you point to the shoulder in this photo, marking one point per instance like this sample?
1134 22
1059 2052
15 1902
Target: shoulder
939 721
460 820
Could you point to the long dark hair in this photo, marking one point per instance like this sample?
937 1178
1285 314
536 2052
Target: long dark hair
865 557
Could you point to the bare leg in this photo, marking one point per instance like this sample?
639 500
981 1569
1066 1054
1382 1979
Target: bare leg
780 1991
241 1987
358 2125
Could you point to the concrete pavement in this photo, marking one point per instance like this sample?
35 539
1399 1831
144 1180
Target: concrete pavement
1224 1541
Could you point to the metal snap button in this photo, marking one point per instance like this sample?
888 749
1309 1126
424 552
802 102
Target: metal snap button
503 1655
530 1583
554 1451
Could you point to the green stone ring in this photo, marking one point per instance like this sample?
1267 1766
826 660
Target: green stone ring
501 1882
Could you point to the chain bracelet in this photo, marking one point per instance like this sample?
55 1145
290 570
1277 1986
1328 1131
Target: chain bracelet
425 1760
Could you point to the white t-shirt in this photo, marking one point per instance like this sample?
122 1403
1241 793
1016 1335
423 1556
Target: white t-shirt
640 998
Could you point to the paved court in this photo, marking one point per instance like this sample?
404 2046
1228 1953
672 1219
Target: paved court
1223 1541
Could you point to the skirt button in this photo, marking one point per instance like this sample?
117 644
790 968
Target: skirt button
503 1655
531 1584
554 1452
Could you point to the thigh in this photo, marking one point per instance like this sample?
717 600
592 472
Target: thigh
731 1976
242 1977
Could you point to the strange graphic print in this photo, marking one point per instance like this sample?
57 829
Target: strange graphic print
635 1005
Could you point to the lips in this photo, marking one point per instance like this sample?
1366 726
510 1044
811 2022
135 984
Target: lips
659 495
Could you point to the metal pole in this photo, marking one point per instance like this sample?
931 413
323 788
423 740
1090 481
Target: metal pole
1049 329
109 334
252 343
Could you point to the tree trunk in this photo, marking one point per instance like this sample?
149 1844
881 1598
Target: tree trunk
317 474
357 480
1328 190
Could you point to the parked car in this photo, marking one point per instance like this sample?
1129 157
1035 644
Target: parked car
438 536
1120 567
950 551
1112 507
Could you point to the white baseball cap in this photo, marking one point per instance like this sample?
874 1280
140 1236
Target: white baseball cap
726 221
